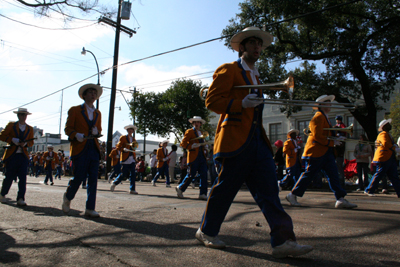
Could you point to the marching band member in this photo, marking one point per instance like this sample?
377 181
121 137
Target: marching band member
82 126
242 149
127 159
293 167
162 164
385 159
115 163
60 156
318 155
196 158
20 136
50 161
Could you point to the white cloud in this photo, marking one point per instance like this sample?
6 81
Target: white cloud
157 78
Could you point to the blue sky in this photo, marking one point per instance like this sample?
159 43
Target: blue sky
37 62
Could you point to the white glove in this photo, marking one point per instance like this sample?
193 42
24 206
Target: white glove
295 150
337 142
15 141
79 137
341 138
95 131
164 159
247 103
397 150
196 145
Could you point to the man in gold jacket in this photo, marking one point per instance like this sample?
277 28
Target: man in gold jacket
318 155
385 159
196 158
162 164
51 159
83 126
19 136
126 145
243 150
293 167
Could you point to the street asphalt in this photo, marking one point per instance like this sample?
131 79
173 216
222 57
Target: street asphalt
155 228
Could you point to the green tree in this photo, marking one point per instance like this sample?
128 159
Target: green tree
395 116
357 43
168 112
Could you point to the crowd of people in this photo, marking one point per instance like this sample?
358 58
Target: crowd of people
241 153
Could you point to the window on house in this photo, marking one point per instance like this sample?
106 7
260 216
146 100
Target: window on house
301 125
275 132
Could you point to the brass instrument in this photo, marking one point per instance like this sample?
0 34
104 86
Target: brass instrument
207 143
348 130
288 87
307 103
92 136
128 150
134 144
205 135
284 86
307 132
12 144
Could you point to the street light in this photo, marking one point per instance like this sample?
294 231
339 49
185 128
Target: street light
98 72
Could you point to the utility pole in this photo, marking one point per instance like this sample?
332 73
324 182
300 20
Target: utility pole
114 78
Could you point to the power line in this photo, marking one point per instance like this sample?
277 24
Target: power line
55 29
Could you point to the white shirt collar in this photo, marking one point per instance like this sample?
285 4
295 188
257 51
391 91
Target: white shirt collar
247 68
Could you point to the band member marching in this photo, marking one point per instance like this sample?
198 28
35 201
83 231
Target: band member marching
60 156
162 164
126 145
115 163
19 136
83 126
385 159
318 155
50 161
293 167
196 159
243 150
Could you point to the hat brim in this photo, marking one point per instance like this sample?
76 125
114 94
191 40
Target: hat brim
266 38
200 120
131 127
165 141
293 131
22 112
83 88
387 121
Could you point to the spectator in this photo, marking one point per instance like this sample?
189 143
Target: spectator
172 162
279 159
362 152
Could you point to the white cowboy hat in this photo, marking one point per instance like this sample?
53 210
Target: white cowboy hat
324 98
165 141
293 131
197 118
50 146
383 123
266 37
83 88
130 126
22 110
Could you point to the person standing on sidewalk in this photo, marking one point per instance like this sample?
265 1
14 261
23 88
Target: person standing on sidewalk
83 126
243 150
127 144
172 162
319 155
19 136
